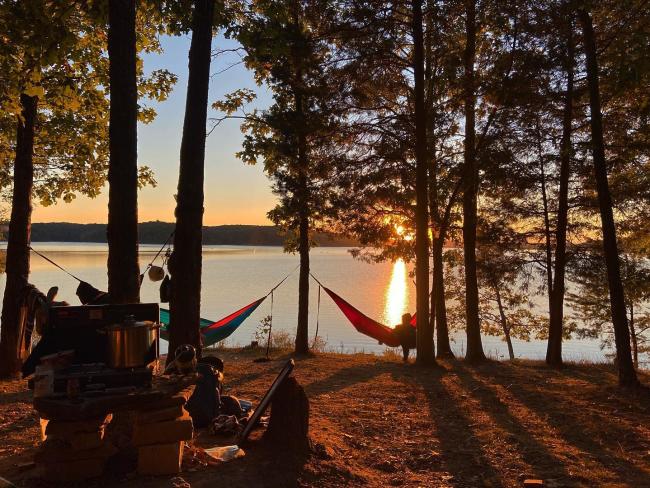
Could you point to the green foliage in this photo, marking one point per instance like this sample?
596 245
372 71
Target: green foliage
294 138
281 339
58 53
589 299
506 276
262 330
235 101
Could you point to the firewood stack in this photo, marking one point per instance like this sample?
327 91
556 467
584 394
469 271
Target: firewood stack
74 450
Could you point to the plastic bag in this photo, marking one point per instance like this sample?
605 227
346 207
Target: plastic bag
225 453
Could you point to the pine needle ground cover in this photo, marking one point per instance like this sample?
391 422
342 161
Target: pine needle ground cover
377 422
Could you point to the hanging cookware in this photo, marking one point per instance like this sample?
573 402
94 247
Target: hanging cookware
132 344
156 273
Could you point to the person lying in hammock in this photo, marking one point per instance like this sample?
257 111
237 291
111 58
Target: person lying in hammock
405 332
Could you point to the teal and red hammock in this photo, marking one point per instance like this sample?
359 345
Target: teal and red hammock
213 332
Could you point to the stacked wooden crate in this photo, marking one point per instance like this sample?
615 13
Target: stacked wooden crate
74 450
160 436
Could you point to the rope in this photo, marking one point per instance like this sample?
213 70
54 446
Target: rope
281 281
317 316
52 262
316 280
268 342
160 250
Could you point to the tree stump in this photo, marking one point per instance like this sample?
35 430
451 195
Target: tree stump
289 423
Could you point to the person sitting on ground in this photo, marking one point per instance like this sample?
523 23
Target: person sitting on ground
405 332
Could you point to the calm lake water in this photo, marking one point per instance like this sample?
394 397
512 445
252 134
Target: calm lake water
234 276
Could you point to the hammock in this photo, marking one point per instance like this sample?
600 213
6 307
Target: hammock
363 323
213 332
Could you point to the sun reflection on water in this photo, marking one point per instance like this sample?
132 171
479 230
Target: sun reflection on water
396 295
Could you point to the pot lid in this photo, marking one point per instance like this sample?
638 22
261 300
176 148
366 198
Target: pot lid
132 325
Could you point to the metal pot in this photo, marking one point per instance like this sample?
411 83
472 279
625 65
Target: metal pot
132 344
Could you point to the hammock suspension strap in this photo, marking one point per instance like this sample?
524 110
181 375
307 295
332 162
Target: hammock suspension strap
268 340
53 263
317 317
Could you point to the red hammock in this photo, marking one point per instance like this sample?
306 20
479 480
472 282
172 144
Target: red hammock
363 323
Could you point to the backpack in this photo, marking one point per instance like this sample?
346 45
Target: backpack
205 401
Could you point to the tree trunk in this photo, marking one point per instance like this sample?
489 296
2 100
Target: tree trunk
442 327
442 330
122 229
470 191
626 373
302 331
431 149
17 259
556 312
425 346
633 337
504 324
547 232
185 303
438 312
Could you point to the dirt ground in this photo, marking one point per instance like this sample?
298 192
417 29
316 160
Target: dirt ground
377 422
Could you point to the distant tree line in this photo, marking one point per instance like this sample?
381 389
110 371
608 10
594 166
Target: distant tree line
158 232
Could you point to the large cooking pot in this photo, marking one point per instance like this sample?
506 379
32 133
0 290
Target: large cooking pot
132 344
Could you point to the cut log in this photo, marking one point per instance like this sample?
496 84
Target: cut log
289 423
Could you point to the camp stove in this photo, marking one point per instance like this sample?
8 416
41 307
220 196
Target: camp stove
83 330
100 379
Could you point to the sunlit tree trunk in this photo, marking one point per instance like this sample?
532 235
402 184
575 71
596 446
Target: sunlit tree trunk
122 229
626 372
186 265
17 267
425 346
556 311
470 191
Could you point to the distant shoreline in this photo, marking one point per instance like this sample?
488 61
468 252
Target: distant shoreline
158 232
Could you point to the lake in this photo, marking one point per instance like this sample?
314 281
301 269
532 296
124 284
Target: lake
234 276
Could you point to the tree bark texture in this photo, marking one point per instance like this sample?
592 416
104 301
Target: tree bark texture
425 346
185 303
470 192
556 312
17 268
626 372
122 229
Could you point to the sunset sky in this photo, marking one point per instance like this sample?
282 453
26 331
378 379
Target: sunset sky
234 192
